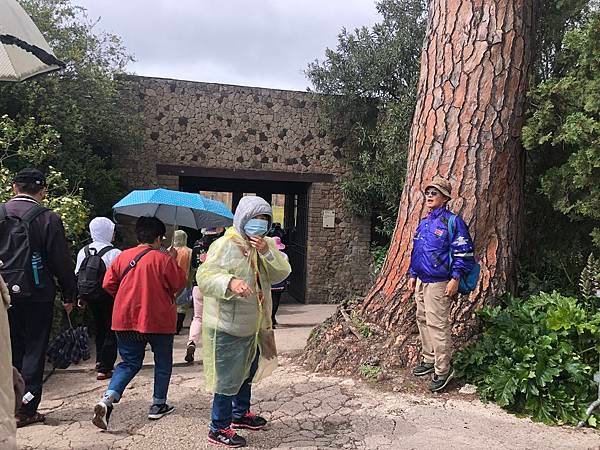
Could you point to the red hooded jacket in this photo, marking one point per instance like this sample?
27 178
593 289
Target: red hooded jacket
144 299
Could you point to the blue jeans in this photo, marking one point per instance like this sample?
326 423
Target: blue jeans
132 353
228 407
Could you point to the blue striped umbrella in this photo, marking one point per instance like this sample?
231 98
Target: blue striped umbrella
183 209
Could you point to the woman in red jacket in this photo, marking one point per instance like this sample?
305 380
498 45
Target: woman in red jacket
143 281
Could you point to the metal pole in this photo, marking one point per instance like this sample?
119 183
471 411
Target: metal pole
594 404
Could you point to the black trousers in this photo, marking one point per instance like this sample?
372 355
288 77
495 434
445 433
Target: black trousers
106 341
276 297
30 325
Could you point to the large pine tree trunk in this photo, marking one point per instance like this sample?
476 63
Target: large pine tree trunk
466 127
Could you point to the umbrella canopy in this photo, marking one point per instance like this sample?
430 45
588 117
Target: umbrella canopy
24 52
176 208
69 347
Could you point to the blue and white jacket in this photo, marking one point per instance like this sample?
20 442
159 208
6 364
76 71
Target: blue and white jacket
430 259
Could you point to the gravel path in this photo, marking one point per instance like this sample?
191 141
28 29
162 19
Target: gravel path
305 411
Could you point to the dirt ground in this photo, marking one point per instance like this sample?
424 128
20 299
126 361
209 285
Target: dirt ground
305 410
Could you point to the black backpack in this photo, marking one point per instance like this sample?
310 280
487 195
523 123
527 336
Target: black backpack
22 267
91 273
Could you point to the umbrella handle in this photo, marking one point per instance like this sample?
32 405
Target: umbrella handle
175 228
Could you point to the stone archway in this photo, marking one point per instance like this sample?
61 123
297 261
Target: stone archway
242 133
295 216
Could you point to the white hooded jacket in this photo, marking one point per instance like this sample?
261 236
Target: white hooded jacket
102 231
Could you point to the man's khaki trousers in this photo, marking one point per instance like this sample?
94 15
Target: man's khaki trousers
433 320
8 424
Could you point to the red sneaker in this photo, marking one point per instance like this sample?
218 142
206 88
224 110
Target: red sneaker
227 438
249 421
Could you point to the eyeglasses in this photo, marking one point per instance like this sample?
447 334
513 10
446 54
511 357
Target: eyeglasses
431 193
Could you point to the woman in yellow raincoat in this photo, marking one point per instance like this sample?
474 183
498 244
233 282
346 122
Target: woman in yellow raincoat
237 335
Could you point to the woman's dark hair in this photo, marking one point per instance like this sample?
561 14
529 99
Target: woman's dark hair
147 229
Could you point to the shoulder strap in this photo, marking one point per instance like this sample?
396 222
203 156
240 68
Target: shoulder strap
30 215
451 226
86 250
105 250
451 221
134 263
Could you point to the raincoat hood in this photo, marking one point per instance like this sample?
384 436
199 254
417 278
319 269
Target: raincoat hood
102 230
180 238
248 208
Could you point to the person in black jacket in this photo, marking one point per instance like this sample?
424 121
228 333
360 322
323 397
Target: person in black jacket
199 252
209 235
30 317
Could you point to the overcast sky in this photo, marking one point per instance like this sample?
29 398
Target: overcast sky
265 43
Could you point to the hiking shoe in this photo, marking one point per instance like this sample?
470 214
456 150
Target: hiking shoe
439 382
158 411
189 353
24 420
249 421
102 413
423 369
226 437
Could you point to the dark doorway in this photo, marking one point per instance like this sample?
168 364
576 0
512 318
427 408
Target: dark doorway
296 226
295 222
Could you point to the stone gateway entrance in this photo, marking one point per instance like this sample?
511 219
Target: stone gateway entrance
235 139
295 220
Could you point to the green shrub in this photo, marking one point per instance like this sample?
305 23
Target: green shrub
537 356
378 252
371 372
360 325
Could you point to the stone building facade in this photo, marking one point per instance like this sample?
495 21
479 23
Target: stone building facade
202 131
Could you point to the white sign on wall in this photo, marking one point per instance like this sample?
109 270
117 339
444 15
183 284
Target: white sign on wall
328 218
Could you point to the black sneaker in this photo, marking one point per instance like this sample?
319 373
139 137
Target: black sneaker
439 382
158 411
227 438
189 353
249 421
423 369
102 413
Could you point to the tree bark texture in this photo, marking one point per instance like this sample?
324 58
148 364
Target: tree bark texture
466 128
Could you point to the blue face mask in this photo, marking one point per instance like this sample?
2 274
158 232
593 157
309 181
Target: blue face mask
256 227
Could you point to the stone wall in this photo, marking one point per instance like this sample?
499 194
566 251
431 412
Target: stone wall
217 126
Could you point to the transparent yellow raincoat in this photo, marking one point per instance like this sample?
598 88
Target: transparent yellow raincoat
234 327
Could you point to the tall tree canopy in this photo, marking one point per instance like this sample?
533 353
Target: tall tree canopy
369 82
466 127
561 139
82 103
372 110
565 125
30 144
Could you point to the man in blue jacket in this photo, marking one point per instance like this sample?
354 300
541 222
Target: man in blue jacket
434 277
